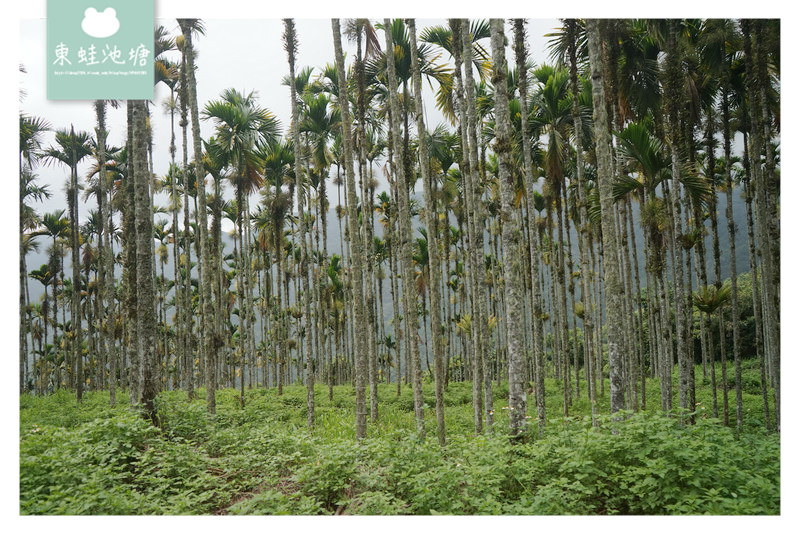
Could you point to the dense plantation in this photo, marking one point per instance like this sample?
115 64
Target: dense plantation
534 307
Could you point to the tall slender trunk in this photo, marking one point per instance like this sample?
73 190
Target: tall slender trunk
105 316
75 309
512 238
24 325
290 44
185 287
241 288
756 293
280 318
530 187
367 225
460 105
433 237
145 276
673 83
769 239
477 210
735 315
356 244
613 283
639 310
394 290
206 266
129 271
404 212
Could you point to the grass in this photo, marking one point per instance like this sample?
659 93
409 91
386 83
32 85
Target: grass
92 459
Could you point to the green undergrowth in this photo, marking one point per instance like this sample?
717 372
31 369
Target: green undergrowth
92 459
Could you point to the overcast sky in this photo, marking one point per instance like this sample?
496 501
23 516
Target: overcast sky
243 54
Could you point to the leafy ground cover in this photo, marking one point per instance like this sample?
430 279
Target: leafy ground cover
91 459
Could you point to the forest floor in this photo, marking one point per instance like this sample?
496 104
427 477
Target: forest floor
92 459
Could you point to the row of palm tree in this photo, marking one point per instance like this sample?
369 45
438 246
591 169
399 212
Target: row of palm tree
517 258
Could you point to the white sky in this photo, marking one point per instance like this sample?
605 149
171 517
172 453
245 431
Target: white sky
243 54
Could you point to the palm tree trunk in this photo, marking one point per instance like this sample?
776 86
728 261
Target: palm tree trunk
24 319
394 289
403 180
405 259
571 287
459 103
24 325
613 284
186 280
129 271
175 208
179 314
145 302
356 244
635 355
536 311
240 289
75 310
511 234
433 238
367 227
771 195
640 311
768 237
673 84
755 280
290 44
735 316
480 314
106 290
206 266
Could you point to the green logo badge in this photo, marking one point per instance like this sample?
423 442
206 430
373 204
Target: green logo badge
100 49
